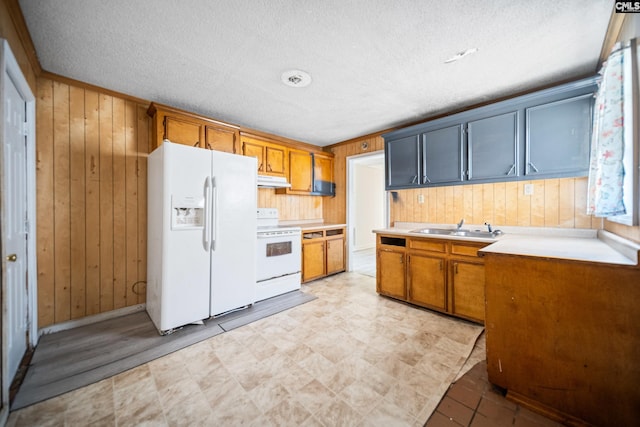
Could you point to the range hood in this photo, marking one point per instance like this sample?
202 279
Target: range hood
272 181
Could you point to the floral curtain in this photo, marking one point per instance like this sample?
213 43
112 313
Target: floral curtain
606 169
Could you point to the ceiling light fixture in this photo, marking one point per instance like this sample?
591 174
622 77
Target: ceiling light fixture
296 78
461 55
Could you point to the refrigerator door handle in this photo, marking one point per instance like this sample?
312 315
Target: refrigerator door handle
214 213
206 233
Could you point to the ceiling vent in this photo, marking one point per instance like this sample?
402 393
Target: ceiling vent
296 78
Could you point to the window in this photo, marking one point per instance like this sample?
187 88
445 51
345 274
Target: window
631 187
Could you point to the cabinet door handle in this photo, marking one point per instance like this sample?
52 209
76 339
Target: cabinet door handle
535 169
260 167
440 265
415 178
401 259
209 146
269 169
455 267
197 144
511 170
425 179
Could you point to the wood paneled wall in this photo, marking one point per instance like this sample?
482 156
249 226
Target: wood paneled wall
91 201
554 203
290 206
335 208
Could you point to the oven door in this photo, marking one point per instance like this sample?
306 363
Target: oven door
278 255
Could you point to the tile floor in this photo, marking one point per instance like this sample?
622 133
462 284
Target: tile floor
473 401
349 357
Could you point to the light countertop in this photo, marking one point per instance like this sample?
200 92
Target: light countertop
570 244
314 225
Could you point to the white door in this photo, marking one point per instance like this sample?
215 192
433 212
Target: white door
14 194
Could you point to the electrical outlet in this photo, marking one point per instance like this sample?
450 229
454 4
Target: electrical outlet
420 198
528 189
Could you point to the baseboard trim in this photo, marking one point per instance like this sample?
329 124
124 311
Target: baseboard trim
70 324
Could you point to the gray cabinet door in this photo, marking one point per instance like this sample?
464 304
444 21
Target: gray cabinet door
558 137
442 155
493 147
403 162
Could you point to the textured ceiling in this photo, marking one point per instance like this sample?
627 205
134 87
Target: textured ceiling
375 64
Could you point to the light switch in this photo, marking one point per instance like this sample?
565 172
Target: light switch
528 189
420 198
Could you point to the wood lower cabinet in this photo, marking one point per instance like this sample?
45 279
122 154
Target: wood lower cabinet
335 255
443 275
186 128
427 281
390 272
322 252
313 259
467 289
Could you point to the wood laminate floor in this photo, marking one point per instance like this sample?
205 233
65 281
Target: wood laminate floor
74 358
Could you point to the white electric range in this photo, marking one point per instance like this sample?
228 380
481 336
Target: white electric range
278 256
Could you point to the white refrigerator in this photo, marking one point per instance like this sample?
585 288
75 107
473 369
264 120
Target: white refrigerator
201 234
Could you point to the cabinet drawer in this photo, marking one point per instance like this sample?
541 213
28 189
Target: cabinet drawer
428 245
312 235
467 250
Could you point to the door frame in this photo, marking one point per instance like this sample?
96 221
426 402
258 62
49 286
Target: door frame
9 67
351 162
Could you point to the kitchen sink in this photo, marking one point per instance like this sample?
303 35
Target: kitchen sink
460 233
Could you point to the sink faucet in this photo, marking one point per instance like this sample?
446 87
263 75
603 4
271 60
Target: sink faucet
459 225
489 229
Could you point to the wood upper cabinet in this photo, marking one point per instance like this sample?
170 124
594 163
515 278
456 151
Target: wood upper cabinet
323 183
221 138
300 175
272 157
182 131
309 174
323 252
186 128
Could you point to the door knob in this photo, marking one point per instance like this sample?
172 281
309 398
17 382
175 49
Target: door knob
12 257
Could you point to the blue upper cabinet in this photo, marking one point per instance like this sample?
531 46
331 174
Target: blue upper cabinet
539 135
442 157
403 162
493 147
558 137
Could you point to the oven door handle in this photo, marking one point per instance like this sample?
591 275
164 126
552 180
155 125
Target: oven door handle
206 232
